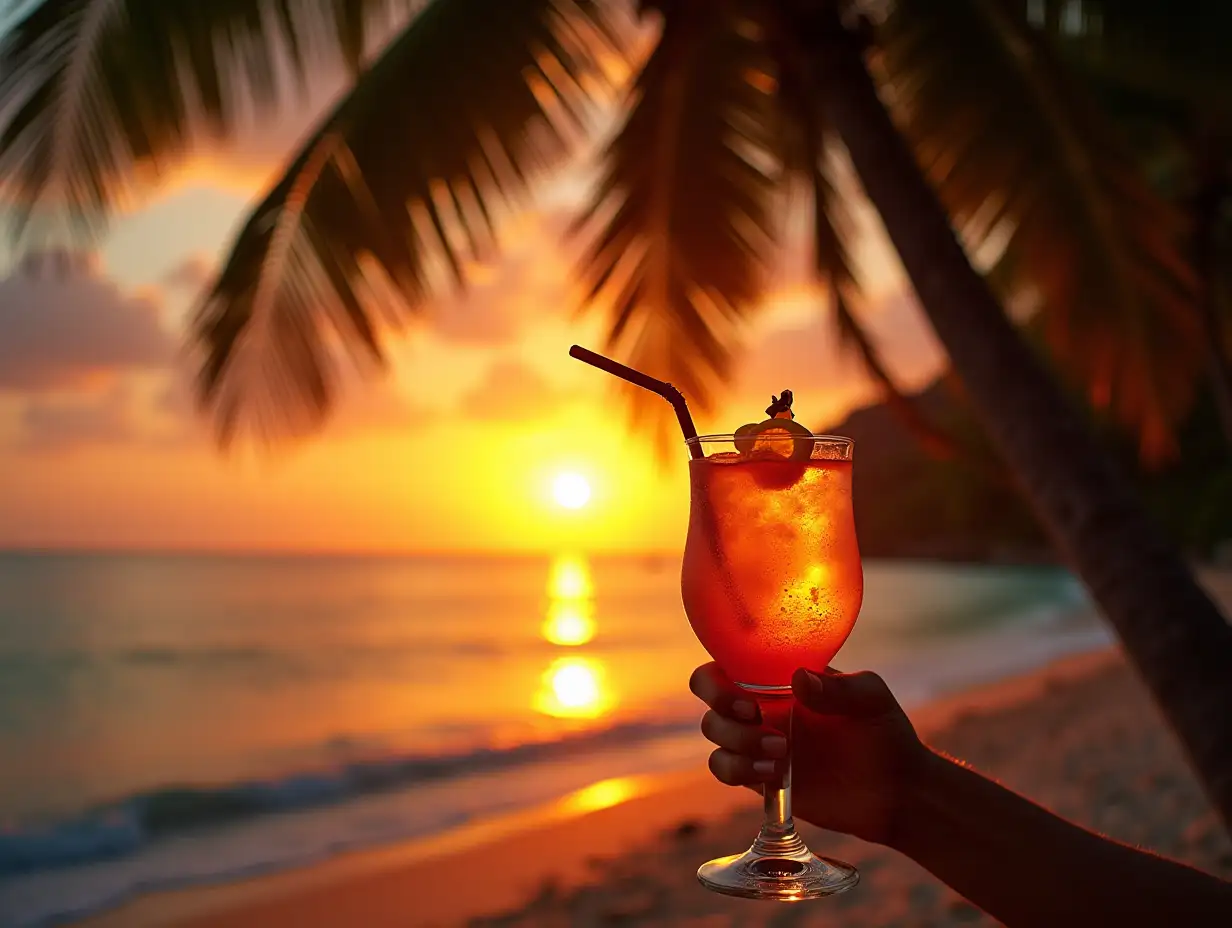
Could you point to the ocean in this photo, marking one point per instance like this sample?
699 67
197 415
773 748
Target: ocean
168 720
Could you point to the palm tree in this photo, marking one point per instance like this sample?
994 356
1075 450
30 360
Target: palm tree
954 113
1177 102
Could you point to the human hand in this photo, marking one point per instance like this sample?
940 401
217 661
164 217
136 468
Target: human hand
854 751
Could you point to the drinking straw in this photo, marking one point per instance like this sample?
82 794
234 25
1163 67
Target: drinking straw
646 382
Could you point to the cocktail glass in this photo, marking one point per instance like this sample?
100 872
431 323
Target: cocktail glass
772 581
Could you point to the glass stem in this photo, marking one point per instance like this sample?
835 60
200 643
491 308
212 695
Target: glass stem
777 806
778 831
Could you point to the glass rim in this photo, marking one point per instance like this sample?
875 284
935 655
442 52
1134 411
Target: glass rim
718 437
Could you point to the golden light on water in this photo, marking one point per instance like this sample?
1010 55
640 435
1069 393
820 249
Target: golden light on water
571 490
603 795
574 685
570 618
574 688
569 579
569 624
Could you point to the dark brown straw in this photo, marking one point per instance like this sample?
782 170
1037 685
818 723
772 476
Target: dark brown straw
646 382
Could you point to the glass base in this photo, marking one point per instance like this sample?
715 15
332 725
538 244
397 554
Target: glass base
781 874
779 867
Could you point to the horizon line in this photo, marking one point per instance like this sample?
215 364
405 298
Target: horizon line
173 551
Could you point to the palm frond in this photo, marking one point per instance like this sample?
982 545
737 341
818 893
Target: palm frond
806 150
681 218
379 209
1020 155
94 93
804 146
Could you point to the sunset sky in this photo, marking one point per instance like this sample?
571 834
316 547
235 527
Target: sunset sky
455 450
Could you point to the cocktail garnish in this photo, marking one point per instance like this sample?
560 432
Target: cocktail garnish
779 438
779 405
745 436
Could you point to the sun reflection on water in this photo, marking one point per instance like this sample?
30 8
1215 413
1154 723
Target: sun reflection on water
603 795
574 688
569 624
570 619
570 578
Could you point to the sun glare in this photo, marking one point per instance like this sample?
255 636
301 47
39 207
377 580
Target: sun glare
571 490
602 795
570 617
573 688
569 579
569 624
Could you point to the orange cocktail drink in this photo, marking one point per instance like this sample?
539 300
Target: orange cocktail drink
771 578
771 581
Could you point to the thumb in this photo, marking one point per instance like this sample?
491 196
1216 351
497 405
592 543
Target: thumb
859 695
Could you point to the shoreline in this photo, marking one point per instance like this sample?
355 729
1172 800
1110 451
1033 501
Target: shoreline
546 852
518 852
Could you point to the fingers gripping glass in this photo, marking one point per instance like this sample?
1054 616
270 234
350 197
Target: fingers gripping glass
771 581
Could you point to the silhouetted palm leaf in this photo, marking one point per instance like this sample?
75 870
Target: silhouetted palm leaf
1163 75
389 195
683 210
97 92
386 199
806 150
1015 149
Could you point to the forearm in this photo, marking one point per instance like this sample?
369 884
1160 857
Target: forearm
1030 869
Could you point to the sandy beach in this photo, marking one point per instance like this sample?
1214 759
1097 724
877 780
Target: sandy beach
1079 736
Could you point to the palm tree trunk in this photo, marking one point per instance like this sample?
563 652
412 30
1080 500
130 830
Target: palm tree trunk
1175 637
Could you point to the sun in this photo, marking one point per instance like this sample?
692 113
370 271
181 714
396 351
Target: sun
571 490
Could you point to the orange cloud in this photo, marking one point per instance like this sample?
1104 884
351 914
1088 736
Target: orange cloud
512 390
80 420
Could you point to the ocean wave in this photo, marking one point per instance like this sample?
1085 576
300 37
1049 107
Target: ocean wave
1015 604
195 655
125 826
336 660
246 655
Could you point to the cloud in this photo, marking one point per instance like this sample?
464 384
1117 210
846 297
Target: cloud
175 400
511 390
529 280
57 423
81 360
63 323
191 275
119 415
379 407
365 407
